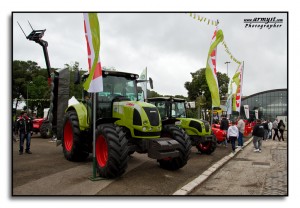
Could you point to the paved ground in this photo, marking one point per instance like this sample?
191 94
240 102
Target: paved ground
250 173
46 172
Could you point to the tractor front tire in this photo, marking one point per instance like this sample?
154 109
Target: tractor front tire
74 147
207 147
111 151
45 130
181 137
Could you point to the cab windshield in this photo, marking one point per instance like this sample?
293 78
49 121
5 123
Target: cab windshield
114 87
178 110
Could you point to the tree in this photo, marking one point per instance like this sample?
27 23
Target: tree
198 86
28 79
75 89
152 93
23 73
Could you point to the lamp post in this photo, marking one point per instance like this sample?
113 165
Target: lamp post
202 103
27 96
227 62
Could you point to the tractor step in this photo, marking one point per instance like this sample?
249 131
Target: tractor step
163 148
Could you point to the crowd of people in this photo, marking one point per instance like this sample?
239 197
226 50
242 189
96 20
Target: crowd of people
262 130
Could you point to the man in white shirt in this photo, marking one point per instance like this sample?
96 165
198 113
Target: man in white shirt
241 128
270 126
232 134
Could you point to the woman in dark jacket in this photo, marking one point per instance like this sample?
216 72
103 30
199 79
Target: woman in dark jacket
281 128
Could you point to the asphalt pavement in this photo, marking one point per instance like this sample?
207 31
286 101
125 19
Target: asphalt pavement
245 172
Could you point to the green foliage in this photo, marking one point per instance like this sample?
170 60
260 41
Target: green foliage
75 89
198 86
30 84
151 93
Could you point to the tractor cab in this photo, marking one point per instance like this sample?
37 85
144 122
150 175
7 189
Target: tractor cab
169 107
117 87
173 110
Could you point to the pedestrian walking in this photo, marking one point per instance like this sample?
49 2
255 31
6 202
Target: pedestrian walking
266 129
281 128
258 134
275 127
232 134
241 128
270 126
224 126
24 128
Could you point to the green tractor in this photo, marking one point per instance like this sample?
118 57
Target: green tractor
199 131
123 126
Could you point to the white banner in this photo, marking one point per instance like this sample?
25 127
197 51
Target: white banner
143 76
229 105
246 108
256 114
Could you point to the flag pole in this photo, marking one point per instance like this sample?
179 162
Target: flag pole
94 177
94 135
211 116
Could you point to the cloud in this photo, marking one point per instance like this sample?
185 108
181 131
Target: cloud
170 45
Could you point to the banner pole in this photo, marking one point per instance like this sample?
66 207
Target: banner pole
211 116
94 135
94 174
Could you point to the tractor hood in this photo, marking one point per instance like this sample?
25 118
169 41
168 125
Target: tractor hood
194 126
142 119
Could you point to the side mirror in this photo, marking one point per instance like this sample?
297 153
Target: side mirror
151 82
76 77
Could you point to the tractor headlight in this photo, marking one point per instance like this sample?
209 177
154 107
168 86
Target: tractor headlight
144 129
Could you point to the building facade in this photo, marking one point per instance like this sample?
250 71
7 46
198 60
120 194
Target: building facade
270 104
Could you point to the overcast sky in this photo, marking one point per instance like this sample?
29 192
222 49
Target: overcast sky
170 45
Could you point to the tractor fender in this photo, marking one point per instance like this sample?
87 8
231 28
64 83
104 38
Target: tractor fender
194 127
82 114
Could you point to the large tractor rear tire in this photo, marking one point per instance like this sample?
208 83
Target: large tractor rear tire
45 130
74 147
111 151
181 137
206 147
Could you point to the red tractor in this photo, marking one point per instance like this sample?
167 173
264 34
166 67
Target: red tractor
41 125
221 134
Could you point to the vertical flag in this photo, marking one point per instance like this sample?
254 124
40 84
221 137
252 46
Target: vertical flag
238 80
211 68
256 114
229 104
94 82
229 98
143 76
246 108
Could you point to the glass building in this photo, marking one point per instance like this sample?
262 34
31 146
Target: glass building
270 104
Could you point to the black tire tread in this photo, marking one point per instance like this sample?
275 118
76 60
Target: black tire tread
184 150
117 151
44 129
212 146
79 150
